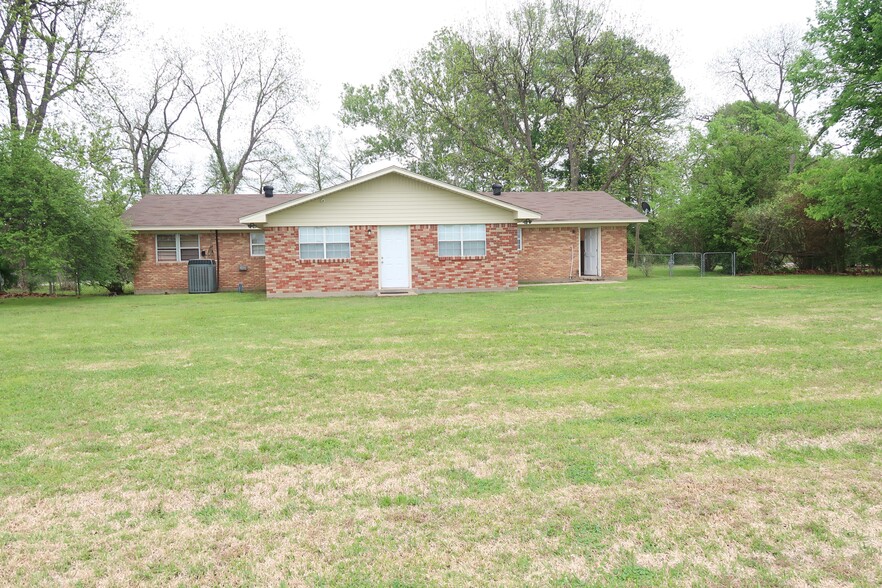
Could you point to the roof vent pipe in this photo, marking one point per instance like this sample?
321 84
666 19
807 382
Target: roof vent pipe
497 189
268 191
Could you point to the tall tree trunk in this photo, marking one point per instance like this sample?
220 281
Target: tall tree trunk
575 164
616 173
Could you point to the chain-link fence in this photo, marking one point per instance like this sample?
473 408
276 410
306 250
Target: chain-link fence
786 262
722 262
650 264
683 263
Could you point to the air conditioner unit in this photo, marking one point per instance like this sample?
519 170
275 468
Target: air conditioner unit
201 276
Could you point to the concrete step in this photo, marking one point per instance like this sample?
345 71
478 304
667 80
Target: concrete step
396 293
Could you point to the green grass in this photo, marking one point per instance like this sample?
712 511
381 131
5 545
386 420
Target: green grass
70 290
654 432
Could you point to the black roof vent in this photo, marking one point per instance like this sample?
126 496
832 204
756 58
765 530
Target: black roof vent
268 191
497 189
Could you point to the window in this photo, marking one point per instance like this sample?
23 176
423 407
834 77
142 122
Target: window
177 247
462 240
258 245
520 240
324 242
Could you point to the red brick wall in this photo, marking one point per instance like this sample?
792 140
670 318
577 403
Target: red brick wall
614 253
552 254
286 273
549 254
235 251
171 276
153 276
496 270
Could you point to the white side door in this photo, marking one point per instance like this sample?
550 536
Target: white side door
394 257
592 253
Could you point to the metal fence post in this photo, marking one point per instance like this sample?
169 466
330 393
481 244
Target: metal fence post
702 264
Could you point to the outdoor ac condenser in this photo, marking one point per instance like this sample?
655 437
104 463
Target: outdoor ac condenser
201 276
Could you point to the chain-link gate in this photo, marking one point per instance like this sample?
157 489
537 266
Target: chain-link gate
724 260
685 263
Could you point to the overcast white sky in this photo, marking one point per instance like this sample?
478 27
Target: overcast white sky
359 41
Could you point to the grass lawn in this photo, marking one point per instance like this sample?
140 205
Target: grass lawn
661 431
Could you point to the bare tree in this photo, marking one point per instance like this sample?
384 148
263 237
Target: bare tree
272 166
246 98
176 179
759 69
50 48
351 160
147 120
315 158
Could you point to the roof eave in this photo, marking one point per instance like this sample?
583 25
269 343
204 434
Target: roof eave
590 222
153 228
252 219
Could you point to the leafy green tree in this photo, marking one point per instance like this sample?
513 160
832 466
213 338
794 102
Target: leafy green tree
846 68
47 225
104 176
616 98
741 160
848 65
465 111
848 191
551 99
40 204
100 250
780 230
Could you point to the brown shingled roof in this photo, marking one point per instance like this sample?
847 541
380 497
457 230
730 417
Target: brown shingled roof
212 211
223 211
573 206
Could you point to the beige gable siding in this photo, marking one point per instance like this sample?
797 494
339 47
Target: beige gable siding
390 200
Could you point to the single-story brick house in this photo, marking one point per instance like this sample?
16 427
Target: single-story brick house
390 230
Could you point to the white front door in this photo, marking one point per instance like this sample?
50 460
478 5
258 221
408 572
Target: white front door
591 262
394 257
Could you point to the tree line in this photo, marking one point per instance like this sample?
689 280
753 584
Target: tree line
553 97
782 184
557 99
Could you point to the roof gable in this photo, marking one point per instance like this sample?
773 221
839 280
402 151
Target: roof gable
518 212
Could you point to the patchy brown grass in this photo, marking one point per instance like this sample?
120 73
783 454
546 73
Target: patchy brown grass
448 440
719 528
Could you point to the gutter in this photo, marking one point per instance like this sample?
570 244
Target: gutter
169 229
217 260
587 223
